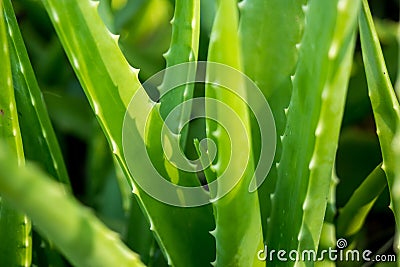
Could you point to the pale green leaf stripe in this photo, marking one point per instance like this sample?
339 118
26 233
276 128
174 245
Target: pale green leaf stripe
39 139
298 141
15 228
68 224
269 59
333 97
183 48
352 216
238 229
384 102
109 83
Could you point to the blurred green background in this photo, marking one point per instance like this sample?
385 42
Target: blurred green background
145 35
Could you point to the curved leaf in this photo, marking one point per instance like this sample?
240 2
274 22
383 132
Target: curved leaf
353 214
184 48
385 104
39 139
98 246
109 83
313 122
269 59
15 228
238 242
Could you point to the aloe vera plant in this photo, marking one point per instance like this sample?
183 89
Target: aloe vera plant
193 145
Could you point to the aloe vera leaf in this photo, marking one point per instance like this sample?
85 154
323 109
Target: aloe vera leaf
39 139
15 235
333 98
309 146
197 221
298 141
277 27
138 236
328 232
387 115
99 165
183 48
10 131
353 214
109 83
237 243
15 227
385 104
98 246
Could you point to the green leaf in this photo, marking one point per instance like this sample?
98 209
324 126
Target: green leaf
383 98
9 127
39 139
352 216
261 36
184 48
328 232
109 83
333 97
139 237
15 227
238 242
385 104
68 224
313 121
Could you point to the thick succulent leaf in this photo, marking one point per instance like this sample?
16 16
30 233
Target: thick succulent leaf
238 242
328 232
313 122
109 83
15 227
340 58
39 139
183 48
80 228
197 221
383 98
385 104
352 216
139 237
261 36
9 127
